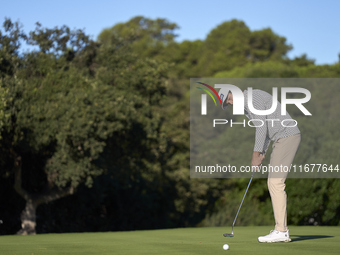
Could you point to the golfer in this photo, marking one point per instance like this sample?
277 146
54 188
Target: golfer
286 140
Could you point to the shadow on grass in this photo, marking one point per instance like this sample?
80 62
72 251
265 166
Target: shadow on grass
296 238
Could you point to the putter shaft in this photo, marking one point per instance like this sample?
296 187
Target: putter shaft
245 193
232 227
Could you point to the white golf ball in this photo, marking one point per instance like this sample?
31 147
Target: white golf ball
225 247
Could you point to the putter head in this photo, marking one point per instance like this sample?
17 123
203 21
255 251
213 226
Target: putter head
228 235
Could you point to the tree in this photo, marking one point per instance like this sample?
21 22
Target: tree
185 58
147 37
232 44
156 39
72 99
303 61
225 47
266 45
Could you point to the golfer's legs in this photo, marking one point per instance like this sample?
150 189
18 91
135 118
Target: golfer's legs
284 151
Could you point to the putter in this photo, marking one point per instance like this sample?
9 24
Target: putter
232 227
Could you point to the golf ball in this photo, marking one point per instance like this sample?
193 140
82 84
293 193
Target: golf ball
225 247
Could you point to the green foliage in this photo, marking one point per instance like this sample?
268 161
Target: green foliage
73 114
225 47
229 45
232 44
9 61
3 116
303 61
313 201
272 69
58 40
147 37
268 69
185 56
266 45
113 114
74 103
319 71
256 210
10 42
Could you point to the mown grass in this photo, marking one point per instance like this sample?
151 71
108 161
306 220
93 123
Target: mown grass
305 240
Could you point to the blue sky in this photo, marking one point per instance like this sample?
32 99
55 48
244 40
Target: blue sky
311 26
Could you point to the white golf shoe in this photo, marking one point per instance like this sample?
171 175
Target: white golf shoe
275 236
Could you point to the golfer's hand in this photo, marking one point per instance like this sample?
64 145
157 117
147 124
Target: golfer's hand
256 160
262 156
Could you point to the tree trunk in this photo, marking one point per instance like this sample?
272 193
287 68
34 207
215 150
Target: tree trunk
28 219
28 215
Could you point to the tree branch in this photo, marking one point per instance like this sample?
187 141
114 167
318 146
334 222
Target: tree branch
17 176
48 196
53 194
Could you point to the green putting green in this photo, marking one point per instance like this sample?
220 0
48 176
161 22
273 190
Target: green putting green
305 240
